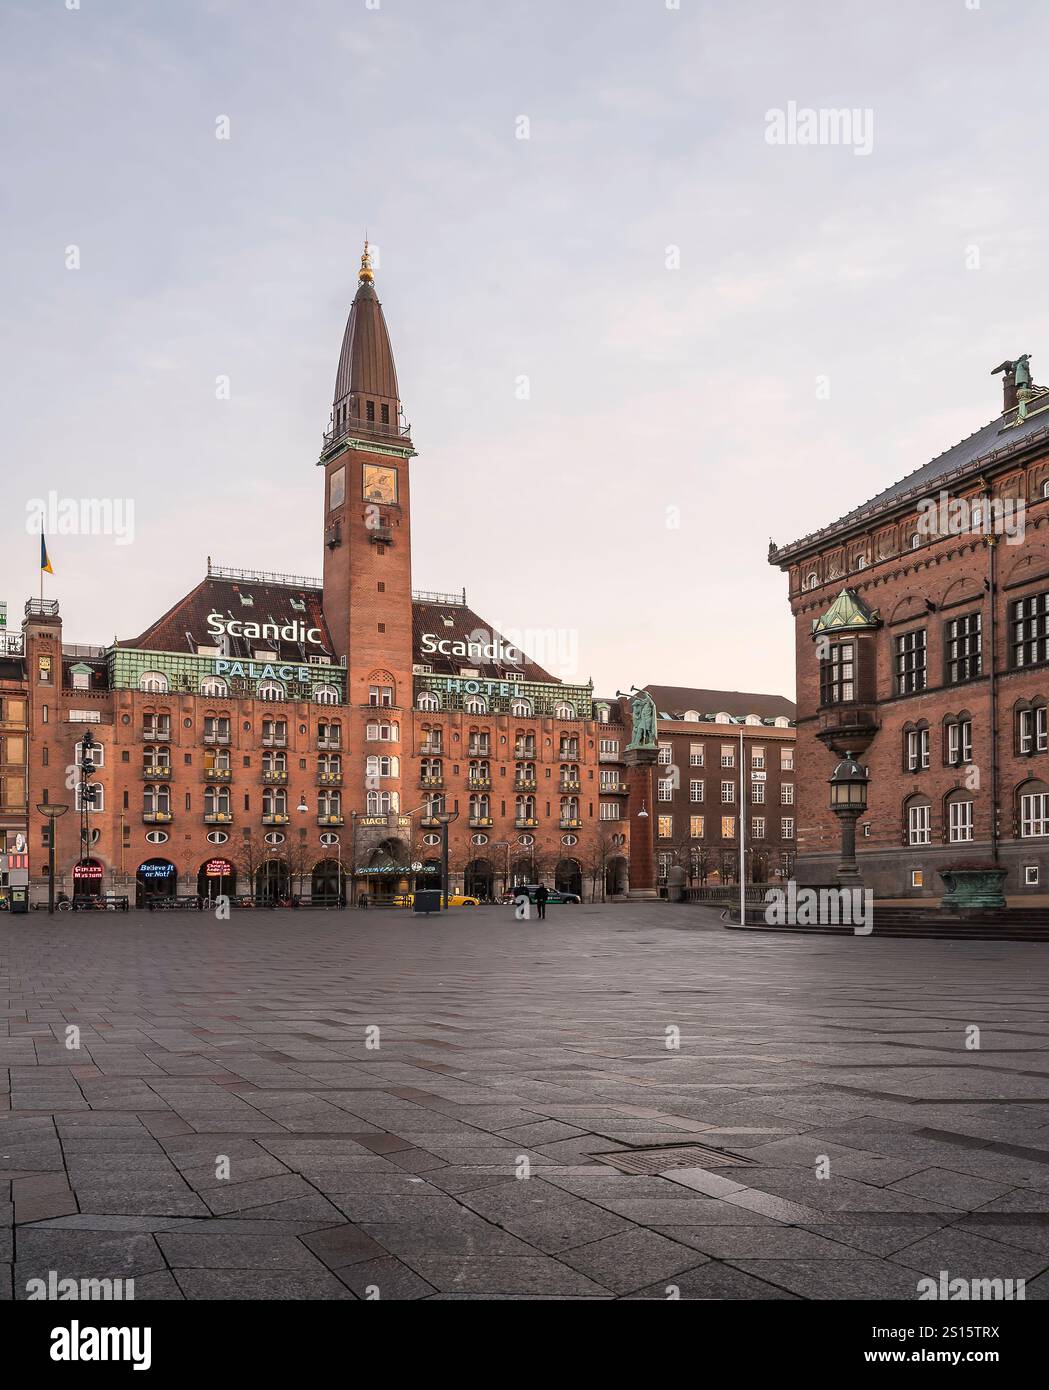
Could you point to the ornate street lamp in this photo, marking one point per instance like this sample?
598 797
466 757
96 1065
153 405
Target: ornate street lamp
445 818
51 811
848 801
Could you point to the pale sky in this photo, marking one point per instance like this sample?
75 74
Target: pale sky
686 395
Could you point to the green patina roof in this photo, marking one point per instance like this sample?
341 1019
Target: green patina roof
847 611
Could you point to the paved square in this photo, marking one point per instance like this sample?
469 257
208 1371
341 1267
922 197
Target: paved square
365 1104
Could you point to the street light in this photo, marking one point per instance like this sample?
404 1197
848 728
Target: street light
51 811
445 818
848 801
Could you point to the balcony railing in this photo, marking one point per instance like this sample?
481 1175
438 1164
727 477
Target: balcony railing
603 757
569 784
354 426
479 822
525 784
479 784
329 779
159 733
217 817
524 751
277 741
217 774
570 823
328 744
477 750
526 822
568 750
156 817
155 772
216 736
333 818
274 778
430 749
431 779
613 789
275 817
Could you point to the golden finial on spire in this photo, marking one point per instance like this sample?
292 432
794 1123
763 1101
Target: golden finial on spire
366 265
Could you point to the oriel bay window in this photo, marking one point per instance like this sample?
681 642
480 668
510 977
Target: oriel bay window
962 648
910 665
838 674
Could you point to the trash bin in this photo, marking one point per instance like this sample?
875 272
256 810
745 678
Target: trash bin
427 900
19 899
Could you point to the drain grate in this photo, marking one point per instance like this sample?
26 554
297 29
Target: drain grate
657 1158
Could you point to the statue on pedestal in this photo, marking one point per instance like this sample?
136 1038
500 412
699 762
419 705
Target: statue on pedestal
643 719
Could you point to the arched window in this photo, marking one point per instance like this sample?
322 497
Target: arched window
564 710
216 801
1032 809
521 707
274 801
429 700
525 809
753 719
722 718
811 580
326 695
782 722
916 746
329 803
381 803
383 733
381 765
475 704
959 810
480 809
271 690
214 687
1045 488
918 820
156 799
692 715
153 683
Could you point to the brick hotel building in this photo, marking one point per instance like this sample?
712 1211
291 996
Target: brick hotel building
924 650
273 734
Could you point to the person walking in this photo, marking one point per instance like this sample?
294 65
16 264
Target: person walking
541 896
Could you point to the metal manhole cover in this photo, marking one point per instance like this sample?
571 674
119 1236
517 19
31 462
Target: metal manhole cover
658 1158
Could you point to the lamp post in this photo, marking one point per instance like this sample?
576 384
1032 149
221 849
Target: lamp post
848 801
303 810
51 811
445 818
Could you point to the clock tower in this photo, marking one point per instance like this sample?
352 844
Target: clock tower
367 553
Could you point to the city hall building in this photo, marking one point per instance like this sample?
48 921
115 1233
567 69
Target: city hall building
272 734
922 638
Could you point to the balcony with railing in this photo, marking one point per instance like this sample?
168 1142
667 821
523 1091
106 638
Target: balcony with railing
525 784
275 817
570 823
332 818
480 822
526 822
156 817
431 779
329 779
614 789
222 776
477 783
524 750
478 750
354 427
217 817
155 733
274 777
216 736
155 772
569 784
328 744
604 756
429 750
568 750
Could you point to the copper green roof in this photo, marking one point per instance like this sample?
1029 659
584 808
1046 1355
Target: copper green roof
847 611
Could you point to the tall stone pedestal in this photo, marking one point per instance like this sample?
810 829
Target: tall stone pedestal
641 764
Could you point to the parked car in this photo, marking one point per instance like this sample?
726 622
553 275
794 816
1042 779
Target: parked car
553 895
454 900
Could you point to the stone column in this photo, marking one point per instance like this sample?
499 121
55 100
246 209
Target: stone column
641 764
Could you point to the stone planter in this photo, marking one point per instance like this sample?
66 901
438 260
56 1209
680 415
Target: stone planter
976 887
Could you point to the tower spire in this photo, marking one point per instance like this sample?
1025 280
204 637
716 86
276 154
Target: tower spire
365 273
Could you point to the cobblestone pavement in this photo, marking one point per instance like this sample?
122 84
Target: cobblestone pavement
505 1048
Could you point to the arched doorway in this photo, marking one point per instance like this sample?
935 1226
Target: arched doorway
87 879
479 879
326 884
615 876
272 881
568 877
156 878
217 877
388 870
522 871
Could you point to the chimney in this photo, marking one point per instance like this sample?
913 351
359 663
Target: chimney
1010 399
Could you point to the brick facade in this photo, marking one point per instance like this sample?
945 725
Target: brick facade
944 598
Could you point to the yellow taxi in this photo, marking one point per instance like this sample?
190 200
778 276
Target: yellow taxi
454 900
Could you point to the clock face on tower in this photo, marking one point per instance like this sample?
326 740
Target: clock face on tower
380 484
